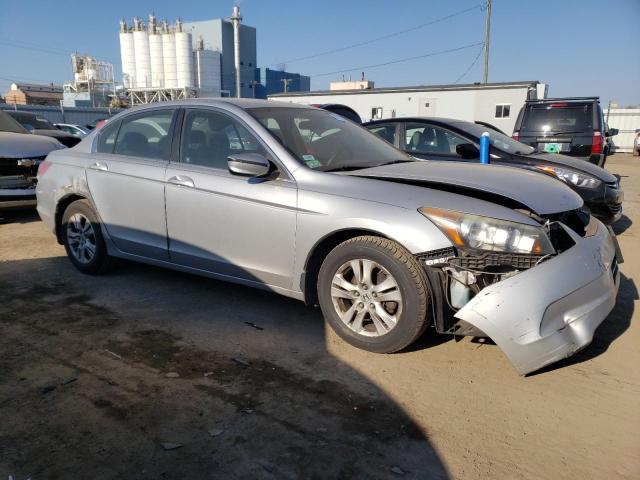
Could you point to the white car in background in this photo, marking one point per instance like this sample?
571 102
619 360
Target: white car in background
75 130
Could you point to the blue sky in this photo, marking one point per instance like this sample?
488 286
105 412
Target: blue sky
586 47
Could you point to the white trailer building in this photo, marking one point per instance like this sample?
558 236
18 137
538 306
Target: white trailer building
495 103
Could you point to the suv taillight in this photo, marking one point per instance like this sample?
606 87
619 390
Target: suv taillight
43 167
596 142
516 136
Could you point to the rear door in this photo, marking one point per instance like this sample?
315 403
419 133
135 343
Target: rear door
559 127
126 181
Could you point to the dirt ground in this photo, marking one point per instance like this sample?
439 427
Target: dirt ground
146 373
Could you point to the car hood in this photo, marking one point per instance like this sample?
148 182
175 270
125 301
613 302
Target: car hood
18 145
537 191
574 163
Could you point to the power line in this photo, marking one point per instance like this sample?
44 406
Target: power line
383 37
366 42
475 60
392 62
22 45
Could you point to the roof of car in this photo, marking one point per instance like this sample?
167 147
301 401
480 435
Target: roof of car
239 102
417 119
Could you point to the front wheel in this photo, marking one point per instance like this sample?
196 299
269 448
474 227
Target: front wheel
373 293
83 240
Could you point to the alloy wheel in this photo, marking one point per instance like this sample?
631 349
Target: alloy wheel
81 238
366 297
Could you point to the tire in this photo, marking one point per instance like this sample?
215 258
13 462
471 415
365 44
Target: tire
364 314
636 152
80 231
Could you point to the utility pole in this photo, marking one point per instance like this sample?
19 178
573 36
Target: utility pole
487 33
235 20
286 82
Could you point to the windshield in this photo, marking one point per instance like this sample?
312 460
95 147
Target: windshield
326 141
501 141
8 124
559 117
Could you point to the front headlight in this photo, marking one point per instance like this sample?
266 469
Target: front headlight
485 233
572 177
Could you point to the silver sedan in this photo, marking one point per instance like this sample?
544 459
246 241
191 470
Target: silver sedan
304 203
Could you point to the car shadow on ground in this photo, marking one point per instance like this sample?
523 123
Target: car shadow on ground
616 323
150 373
18 216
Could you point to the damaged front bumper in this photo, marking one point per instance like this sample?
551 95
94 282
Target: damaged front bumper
550 311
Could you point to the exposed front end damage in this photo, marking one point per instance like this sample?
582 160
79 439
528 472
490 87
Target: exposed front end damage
537 309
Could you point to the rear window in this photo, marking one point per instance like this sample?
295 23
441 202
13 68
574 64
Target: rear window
558 118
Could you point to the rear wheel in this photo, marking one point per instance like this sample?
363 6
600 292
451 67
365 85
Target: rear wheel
373 293
83 240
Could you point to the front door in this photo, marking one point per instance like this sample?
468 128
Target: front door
230 225
432 142
126 180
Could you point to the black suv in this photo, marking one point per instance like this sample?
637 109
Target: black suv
571 126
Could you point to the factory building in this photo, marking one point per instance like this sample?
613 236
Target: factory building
207 58
217 35
33 94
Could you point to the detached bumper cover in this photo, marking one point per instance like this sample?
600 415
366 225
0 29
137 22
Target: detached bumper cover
550 311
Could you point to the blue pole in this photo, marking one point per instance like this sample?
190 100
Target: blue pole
485 142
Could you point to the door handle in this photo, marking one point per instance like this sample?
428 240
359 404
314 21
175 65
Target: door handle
182 181
99 166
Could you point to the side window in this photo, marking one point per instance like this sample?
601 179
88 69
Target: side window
145 135
431 139
107 138
209 137
503 110
386 132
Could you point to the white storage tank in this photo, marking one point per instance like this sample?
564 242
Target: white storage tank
169 60
143 61
157 60
128 56
184 57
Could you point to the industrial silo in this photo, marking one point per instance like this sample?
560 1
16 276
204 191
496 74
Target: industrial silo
155 53
169 57
184 57
128 56
143 61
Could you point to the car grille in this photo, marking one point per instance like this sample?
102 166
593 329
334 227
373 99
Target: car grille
492 259
11 166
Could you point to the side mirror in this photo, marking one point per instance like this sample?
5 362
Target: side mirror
612 132
29 127
248 165
468 151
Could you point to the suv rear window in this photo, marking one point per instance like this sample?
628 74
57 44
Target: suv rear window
558 118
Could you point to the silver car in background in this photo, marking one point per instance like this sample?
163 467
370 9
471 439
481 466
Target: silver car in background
307 204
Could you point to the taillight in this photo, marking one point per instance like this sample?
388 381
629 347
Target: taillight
43 167
100 124
516 136
596 142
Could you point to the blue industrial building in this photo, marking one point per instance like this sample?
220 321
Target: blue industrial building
273 81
